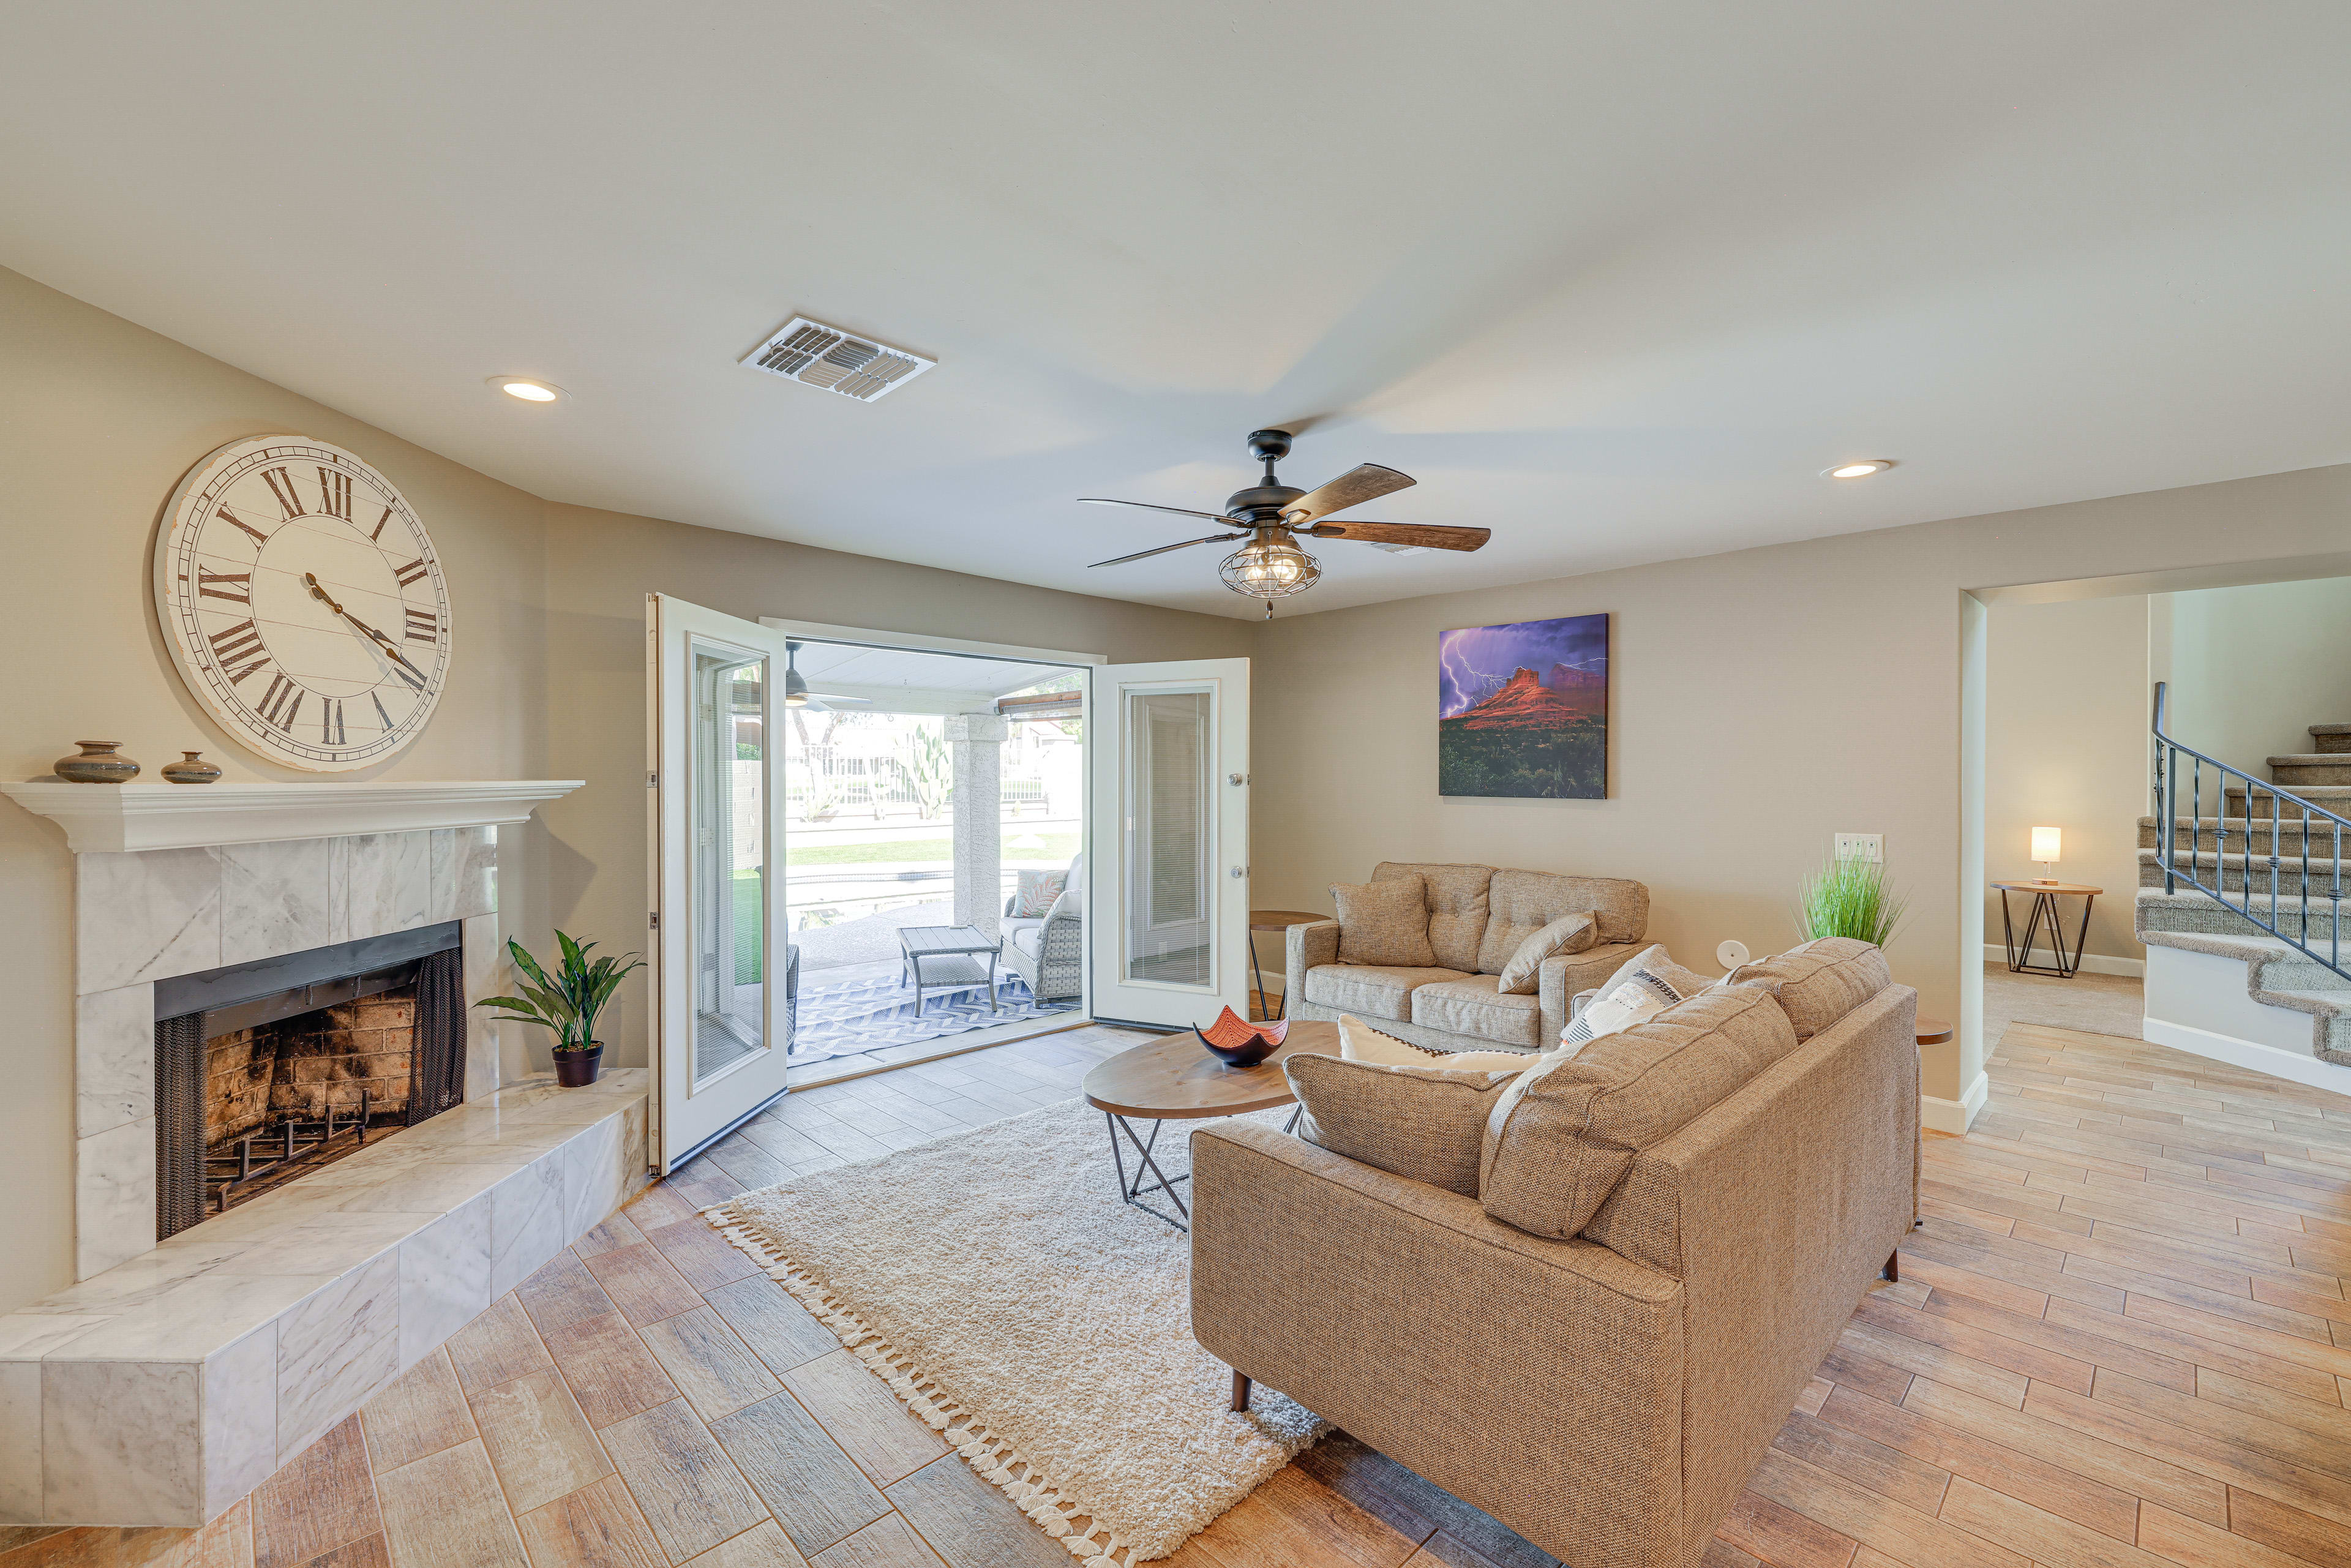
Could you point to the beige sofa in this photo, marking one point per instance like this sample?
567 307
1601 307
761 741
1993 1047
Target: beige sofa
1609 1392
1478 916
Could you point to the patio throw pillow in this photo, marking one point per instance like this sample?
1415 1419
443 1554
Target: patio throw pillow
1646 985
1384 923
1034 892
1359 1041
1568 934
1424 1123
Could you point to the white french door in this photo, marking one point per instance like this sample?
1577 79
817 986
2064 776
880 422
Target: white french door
716 766
1168 883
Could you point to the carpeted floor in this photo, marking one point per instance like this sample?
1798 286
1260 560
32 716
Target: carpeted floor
999 1284
2096 1004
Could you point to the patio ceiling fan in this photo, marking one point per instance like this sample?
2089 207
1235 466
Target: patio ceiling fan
1271 515
796 692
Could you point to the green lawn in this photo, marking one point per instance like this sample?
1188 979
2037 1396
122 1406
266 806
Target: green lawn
747 929
1057 846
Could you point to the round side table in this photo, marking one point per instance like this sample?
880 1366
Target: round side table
2045 895
1274 920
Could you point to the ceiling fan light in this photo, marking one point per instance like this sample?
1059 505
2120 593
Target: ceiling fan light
1269 568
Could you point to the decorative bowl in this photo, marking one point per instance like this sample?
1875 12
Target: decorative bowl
1236 1042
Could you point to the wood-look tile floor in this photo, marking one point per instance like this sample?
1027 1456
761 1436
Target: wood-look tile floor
2119 1341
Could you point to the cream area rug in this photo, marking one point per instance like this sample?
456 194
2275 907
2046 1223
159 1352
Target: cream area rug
996 1281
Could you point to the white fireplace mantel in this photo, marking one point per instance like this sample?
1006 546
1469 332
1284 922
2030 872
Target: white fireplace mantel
101 817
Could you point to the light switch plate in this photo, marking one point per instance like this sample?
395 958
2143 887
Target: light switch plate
1861 847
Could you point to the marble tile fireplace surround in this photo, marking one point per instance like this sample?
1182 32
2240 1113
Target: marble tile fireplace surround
174 1377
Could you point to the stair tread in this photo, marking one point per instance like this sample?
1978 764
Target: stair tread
2310 759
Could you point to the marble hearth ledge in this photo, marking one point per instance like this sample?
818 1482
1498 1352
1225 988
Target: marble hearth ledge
165 1388
102 818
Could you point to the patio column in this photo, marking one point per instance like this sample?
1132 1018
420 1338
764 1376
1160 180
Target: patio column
975 751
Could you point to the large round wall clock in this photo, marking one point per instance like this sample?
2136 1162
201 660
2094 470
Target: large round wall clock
303 603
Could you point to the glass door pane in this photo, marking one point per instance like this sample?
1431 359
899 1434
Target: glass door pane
1170 838
727 857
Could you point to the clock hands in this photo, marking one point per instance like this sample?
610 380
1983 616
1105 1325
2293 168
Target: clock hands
388 645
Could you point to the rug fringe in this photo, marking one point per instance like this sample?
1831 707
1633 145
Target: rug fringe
993 1459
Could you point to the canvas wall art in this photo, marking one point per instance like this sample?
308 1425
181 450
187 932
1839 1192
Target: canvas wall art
1522 709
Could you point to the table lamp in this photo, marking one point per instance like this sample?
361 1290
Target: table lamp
2046 844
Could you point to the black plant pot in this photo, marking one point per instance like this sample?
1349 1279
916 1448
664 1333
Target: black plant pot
578 1069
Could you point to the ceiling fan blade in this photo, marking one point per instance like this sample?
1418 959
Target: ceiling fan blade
835 697
1154 507
1351 488
1428 536
1162 550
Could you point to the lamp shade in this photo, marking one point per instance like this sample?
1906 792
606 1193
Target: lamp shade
2046 842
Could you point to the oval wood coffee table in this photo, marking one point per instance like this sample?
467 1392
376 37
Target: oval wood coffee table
1174 1079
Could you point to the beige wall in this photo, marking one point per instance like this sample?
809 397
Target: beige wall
99 421
2252 668
2066 745
1762 701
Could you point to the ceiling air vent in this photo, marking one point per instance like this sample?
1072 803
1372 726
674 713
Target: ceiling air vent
821 356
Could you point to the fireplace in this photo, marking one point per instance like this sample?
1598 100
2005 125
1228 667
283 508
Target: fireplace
268 1071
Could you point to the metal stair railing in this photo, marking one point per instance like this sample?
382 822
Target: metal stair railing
2168 755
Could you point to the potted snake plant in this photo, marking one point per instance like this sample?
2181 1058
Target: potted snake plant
566 1002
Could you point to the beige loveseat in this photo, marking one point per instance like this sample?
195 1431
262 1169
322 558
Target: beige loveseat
1477 915
1605 1394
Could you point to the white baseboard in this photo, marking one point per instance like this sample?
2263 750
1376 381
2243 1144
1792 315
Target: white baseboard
1955 1116
2294 1067
2091 963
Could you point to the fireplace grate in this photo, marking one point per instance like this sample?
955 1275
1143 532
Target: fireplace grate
192 1180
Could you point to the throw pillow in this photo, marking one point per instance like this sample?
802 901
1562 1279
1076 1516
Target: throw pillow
1647 983
1563 1134
1359 1041
1823 980
1384 923
1034 892
1424 1123
1568 934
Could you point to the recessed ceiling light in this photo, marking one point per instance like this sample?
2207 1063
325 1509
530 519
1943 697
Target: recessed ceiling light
1861 470
526 389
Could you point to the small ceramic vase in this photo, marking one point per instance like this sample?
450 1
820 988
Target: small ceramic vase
97 764
191 770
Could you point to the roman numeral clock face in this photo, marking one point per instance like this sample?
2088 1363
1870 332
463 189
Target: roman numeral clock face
303 603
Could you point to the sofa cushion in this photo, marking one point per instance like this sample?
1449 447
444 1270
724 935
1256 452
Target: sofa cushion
1372 990
1457 908
1521 902
1382 923
1566 1131
1823 980
1026 934
1475 1006
1359 1041
1424 1123
1568 934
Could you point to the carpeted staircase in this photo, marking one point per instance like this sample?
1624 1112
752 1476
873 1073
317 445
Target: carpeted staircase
2276 975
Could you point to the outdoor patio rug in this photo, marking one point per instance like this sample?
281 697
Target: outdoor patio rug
848 1017
994 1280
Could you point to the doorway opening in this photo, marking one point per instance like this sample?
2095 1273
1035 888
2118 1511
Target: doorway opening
933 851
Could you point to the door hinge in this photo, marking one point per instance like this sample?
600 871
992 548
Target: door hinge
653 780
656 918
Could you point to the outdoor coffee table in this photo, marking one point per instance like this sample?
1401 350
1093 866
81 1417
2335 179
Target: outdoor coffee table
1174 1079
939 959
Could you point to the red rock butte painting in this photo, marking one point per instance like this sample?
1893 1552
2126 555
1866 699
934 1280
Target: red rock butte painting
1522 709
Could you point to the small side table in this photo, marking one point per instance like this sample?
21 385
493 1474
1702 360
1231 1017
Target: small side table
1274 920
2045 912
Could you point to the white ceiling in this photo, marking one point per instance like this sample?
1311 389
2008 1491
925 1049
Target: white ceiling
1614 280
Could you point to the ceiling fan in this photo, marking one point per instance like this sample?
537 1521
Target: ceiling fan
1271 515
796 691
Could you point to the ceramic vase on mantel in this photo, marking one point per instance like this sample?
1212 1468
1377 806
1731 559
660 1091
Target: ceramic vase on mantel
192 769
97 764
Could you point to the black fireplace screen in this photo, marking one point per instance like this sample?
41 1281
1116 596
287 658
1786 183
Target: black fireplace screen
197 1171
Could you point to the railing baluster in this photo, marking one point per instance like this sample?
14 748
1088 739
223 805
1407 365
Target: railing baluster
2305 870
